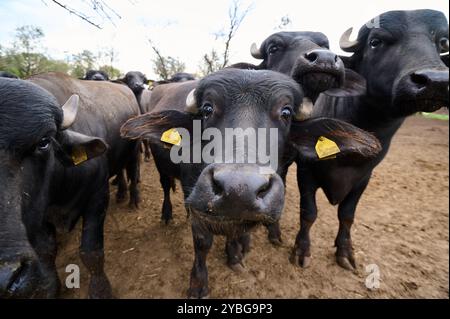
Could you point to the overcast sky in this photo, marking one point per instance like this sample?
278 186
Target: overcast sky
185 29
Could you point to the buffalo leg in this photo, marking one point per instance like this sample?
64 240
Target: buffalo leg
274 233
147 154
133 172
166 183
91 248
121 186
236 249
199 275
301 254
346 215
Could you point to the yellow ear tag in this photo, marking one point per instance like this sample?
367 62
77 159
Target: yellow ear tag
326 148
172 137
79 155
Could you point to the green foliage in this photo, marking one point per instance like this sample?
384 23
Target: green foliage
27 57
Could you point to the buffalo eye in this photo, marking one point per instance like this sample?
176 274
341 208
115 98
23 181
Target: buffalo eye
443 44
273 49
375 42
207 109
286 112
44 144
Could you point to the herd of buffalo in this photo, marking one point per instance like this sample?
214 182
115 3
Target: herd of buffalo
64 142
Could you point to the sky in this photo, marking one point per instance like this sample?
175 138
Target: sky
186 29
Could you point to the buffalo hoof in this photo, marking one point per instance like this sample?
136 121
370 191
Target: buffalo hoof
166 222
238 268
100 288
276 241
198 293
134 203
345 258
300 257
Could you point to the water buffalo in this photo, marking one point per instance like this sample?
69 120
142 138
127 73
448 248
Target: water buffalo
303 55
51 176
229 197
400 61
96 75
137 82
5 74
112 100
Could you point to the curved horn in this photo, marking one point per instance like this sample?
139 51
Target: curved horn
70 109
304 110
191 103
345 43
255 51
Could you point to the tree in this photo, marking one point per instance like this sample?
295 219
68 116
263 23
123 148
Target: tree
82 62
166 66
213 62
23 56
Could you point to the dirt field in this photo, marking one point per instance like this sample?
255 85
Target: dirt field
402 225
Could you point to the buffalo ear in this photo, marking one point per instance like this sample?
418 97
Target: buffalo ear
74 148
151 126
354 144
444 59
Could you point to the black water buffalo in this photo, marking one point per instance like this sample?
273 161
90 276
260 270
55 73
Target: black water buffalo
137 82
96 75
303 55
5 74
400 61
232 198
50 175
116 104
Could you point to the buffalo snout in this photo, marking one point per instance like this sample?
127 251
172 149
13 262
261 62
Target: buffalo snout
238 192
424 90
319 70
19 278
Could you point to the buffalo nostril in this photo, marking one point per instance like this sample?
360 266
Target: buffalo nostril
10 274
420 80
264 189
217 186
335 58
311 56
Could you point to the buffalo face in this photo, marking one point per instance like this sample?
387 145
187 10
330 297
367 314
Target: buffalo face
401 60
306 57
33 146
135 80
96 75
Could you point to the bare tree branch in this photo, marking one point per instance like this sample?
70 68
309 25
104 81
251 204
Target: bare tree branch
100 7
78 14
164 72
236 17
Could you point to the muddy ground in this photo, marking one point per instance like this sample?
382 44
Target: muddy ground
402 226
